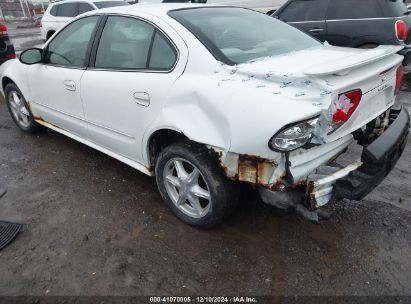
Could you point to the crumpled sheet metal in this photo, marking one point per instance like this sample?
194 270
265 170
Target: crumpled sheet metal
246 168
312 89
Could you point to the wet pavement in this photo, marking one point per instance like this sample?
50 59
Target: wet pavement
94 226
24 38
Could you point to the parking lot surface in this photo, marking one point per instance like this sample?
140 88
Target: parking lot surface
94 226
24 37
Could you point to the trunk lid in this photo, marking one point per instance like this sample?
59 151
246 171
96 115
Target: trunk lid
319 75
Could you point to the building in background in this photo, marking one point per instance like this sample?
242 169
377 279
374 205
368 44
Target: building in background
20 9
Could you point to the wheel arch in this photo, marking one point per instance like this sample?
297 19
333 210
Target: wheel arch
5 81
160 139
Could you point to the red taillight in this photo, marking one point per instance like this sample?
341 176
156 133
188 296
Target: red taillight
11 56
346 105
398 79
3 29
401 29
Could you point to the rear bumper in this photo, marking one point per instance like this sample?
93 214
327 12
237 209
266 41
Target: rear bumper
378 159
355 181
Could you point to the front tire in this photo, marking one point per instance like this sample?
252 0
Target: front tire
20 111
193 187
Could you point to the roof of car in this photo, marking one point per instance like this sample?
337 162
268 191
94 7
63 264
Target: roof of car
152 8
66 1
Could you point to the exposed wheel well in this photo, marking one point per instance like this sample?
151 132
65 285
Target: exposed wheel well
49 34
161 139
5 81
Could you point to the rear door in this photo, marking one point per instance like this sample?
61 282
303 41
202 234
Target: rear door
354 23
306 15
134 66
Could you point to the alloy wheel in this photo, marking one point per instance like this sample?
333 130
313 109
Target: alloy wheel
187 187
18 109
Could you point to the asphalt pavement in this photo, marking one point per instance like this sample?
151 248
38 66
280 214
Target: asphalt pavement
94 226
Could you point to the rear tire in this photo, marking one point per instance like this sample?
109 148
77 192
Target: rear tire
193 187
20 111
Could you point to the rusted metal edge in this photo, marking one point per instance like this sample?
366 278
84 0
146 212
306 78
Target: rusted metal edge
316 190
253 170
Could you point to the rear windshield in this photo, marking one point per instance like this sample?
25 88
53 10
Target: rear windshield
236 35
104 4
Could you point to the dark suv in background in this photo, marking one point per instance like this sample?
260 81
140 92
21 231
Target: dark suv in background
352 23
6 47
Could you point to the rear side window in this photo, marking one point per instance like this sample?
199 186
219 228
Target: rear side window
184 1
53 10
67 10
84 7
104 4
305 10
126 44
162 55
355 9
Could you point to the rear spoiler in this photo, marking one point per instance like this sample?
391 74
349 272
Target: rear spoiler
345 65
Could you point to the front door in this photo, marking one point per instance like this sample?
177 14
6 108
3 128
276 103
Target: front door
124 89
55 85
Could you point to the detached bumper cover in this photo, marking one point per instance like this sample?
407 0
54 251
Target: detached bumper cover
330 182
377 159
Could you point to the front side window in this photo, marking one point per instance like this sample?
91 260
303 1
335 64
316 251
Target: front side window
236 35
69 47
126 43
305 10
354 9
67 10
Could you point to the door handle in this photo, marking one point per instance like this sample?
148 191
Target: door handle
70 85
316 30
142 98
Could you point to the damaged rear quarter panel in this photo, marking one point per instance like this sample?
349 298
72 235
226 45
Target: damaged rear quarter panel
235 121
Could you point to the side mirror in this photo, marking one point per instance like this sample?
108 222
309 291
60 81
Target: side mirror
31 56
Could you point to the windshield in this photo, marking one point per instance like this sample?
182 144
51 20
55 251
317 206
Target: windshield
104 4
236 35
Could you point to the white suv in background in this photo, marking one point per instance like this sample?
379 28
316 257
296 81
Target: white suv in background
59 13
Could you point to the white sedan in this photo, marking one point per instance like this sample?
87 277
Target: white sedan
207 98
